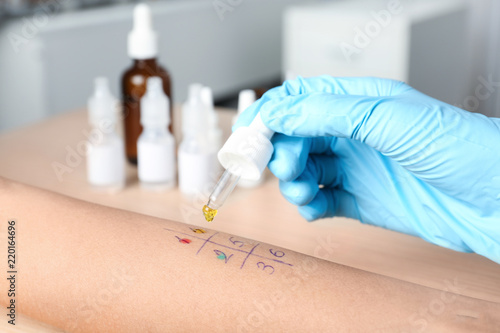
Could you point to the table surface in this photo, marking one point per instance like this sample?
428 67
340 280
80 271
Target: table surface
28 155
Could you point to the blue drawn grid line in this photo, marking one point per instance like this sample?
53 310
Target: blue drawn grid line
248 255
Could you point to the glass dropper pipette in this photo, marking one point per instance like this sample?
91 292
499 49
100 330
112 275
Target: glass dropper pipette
222 189
244 155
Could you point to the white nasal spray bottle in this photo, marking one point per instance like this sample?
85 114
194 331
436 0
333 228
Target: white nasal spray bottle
214 131
196 156
142 41
106 156
246 98
156 145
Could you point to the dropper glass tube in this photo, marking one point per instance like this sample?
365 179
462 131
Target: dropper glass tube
224 187
247 153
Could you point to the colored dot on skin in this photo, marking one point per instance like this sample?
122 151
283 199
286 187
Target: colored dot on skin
199 231
220 255
184 240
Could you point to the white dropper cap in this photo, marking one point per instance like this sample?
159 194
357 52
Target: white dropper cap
207 97
245 99
289 75
142 40
194 93
214 131
248 150
102 104
208 100
194 115
155 104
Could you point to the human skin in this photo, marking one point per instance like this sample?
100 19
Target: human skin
89 268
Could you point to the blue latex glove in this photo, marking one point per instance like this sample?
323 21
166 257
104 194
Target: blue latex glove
381 152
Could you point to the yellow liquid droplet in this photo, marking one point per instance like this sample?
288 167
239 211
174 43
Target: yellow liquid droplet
209 213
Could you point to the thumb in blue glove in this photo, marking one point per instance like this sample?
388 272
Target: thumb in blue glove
381 152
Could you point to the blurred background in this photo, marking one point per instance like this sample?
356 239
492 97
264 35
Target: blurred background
50 51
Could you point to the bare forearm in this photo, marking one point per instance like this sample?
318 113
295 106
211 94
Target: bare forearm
88 268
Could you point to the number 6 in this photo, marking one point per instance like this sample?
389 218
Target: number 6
278 254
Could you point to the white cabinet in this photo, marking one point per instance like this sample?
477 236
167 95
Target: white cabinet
419 42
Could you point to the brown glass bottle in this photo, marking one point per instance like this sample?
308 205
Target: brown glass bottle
133 88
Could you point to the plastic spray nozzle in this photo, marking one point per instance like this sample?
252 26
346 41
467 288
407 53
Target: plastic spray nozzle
142 40
245 155
194 93
208 100
102 104
143 20
245 98
207 96
194 115
155 104
213 120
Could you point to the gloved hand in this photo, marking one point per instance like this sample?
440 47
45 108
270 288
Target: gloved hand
381 152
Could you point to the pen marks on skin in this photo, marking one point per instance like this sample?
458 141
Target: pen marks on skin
236 242
278 254
236 246
263 266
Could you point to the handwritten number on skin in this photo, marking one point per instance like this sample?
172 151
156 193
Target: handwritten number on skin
278 254
235 242
266 268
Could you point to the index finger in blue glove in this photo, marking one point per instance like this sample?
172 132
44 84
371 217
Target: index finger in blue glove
291 153
326 84
372 120
330 202
249 114
320 170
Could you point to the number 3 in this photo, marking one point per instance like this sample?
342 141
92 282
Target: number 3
264 266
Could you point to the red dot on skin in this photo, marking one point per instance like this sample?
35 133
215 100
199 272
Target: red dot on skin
185 241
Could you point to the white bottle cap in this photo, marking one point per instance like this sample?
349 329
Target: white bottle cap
194 93
155 104
208 99
194 112
289 75
245 99
214 132
142 40
102 104
248 150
